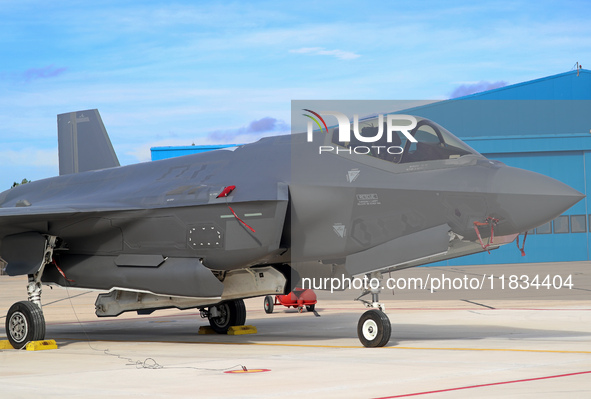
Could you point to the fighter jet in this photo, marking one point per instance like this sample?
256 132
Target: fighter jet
206 231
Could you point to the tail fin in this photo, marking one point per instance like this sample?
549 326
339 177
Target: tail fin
84 143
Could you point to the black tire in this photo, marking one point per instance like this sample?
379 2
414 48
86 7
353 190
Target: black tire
310 308
374 329
269 304
24 323
232 313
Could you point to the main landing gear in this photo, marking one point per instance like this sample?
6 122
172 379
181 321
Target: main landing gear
25 321
225 315
374 328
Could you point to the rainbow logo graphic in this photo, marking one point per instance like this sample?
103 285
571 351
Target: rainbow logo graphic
316 120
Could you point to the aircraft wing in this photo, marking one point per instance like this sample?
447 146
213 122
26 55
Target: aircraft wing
9 214
19 219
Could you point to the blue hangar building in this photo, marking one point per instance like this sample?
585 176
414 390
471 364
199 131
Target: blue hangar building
543 125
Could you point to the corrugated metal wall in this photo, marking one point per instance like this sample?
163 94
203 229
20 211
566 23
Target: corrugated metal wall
564 240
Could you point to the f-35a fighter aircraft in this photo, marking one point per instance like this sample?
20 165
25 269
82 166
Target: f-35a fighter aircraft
207 230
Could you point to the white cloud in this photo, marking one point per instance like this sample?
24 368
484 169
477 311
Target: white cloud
340 54
30 163
29 157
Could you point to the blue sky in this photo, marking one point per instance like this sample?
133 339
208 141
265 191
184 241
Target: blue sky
176 73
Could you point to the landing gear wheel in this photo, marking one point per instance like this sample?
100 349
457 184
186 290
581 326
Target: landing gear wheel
374 329
310 308
269 304
24 323
232 313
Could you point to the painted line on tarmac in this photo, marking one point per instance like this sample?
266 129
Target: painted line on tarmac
339 346
391 309
485 385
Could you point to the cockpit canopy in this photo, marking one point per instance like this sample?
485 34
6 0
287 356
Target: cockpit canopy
433 142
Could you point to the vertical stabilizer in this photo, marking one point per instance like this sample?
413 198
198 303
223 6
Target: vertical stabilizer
83 143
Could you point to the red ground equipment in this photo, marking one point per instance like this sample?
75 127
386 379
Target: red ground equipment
298 298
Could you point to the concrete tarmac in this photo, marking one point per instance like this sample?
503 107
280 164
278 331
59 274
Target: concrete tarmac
487 347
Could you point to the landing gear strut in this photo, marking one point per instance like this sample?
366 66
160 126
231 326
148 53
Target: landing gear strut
225 315
374 328
24 320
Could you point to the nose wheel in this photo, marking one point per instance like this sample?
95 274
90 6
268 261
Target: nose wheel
374 328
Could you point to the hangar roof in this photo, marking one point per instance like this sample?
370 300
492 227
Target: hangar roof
550 113
564 86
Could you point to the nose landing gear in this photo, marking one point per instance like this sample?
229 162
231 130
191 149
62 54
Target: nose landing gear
374 328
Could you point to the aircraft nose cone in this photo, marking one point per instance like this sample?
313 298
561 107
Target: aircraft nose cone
525 199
